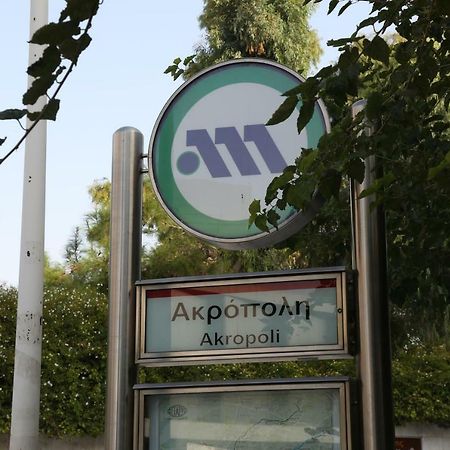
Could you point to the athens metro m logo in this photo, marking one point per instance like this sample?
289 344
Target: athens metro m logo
189 161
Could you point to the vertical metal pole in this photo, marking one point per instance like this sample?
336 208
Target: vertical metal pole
124 270
27 362
374 359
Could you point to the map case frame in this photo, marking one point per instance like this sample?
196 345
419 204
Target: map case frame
285 414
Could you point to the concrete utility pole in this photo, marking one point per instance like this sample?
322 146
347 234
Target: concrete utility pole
27 363
374 358
124 271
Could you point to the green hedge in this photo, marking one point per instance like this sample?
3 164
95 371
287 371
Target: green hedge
421 385
73 383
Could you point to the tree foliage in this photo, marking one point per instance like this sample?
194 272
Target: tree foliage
169 251
406 83
272 29
421 385
8 313
73 375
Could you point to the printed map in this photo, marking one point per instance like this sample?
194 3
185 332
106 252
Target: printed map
256 420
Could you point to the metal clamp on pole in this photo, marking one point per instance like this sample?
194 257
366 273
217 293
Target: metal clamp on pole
124 270
374 358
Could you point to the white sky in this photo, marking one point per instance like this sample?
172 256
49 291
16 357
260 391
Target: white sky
119 82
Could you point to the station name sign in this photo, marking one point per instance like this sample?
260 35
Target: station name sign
282 315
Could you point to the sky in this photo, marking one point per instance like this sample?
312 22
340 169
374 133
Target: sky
119 81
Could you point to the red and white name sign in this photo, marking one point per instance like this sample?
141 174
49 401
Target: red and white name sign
282 315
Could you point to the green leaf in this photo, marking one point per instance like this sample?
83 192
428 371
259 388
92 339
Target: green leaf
178 73
47 64
273 217
11 114
299 194
171 69
71 49
377 49
355 168
254 210
306 159
279 183
310 87
367 22
261 223
177 61
378 185
332 5
255 207
348 58
306 113
48 113
294 91
330 184
374 105
55 33
188 59
433 172
39 87
283 111
345 7
340 42
325 72
79 10
404 51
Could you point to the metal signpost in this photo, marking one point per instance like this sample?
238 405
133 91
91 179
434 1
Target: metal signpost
374 356
248 317
124 270
210 155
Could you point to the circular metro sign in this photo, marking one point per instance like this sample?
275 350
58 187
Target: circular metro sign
211 154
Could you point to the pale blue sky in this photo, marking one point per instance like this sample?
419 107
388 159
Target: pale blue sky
119 81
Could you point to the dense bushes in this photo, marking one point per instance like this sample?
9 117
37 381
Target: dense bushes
421 385
73 360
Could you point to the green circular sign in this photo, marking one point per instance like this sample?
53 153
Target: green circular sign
211 153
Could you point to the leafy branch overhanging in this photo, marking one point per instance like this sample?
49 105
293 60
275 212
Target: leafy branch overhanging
406 81
64 40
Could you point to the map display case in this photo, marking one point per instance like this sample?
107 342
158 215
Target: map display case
288 414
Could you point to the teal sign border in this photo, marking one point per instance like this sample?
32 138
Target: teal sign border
237 71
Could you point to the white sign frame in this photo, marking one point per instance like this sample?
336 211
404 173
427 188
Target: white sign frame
339 349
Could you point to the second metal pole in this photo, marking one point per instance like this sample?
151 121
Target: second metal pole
124 270
374 358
